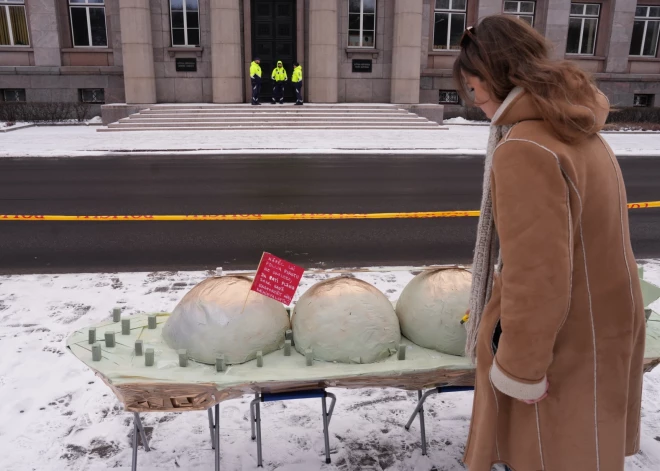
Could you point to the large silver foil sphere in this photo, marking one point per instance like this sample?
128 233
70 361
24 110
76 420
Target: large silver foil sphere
214 318
345 320
431 307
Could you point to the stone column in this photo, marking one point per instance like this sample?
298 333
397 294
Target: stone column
138 53
44 35
489 7
406 51
226 64
323 69
623 19
556 27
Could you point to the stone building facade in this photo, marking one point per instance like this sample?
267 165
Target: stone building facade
387 51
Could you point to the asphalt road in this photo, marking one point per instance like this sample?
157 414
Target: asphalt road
192 184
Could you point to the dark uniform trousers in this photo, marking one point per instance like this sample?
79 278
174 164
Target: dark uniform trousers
278 91
256 88
298 88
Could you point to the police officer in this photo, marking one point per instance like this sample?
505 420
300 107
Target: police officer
255 75
279 77
296 79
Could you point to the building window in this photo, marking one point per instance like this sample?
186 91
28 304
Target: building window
645 31
449 97
361 23
450 16
522 10
88 23
582 28
185 22
13 23
643 100
13 94
92 95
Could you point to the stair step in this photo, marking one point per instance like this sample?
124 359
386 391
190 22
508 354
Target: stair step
271 112
223 107
262 128
270 109
280 124
274 119
208 116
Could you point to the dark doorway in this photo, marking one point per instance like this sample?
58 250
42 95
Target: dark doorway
274 39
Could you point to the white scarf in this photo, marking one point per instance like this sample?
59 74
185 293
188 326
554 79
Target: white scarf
486 252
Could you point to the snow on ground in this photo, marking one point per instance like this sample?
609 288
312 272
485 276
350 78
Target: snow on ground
72 141
460 120
56 415
5 127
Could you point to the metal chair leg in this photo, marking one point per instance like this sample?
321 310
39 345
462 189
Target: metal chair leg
138 428
217 437
422 423
421 398
143 434
255 414
326 434
419 409
420 404
135 442
332 405
252 417
211 428
257 408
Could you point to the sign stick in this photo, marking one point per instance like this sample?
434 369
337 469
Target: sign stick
246 300
251 286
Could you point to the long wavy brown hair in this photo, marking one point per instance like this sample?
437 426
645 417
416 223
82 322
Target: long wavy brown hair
505 53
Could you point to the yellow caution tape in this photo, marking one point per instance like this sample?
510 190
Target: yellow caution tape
650 204
245 217
266 217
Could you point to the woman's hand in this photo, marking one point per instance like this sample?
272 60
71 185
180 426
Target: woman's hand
536 401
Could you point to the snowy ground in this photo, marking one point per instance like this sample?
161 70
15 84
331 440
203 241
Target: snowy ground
459 120
56 415
72 141
5 127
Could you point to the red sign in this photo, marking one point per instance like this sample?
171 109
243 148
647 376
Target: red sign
277 278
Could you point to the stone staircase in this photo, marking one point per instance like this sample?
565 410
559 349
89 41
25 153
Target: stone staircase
193 117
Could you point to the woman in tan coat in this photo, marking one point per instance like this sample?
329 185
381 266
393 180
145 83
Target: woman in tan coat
557 320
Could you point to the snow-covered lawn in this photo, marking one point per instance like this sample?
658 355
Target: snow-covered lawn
6 127
56 415
459 120
72 141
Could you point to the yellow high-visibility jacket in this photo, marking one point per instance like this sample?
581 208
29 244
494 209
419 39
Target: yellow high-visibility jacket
255 70
279 74
297 74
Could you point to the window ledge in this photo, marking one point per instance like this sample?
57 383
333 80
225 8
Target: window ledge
584 57
643 59
16 49
373 52
87 49
173 51
450 52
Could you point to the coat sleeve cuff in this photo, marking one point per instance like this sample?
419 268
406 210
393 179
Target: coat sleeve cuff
515 388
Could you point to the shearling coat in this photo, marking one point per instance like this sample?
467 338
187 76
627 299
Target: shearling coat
566 308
